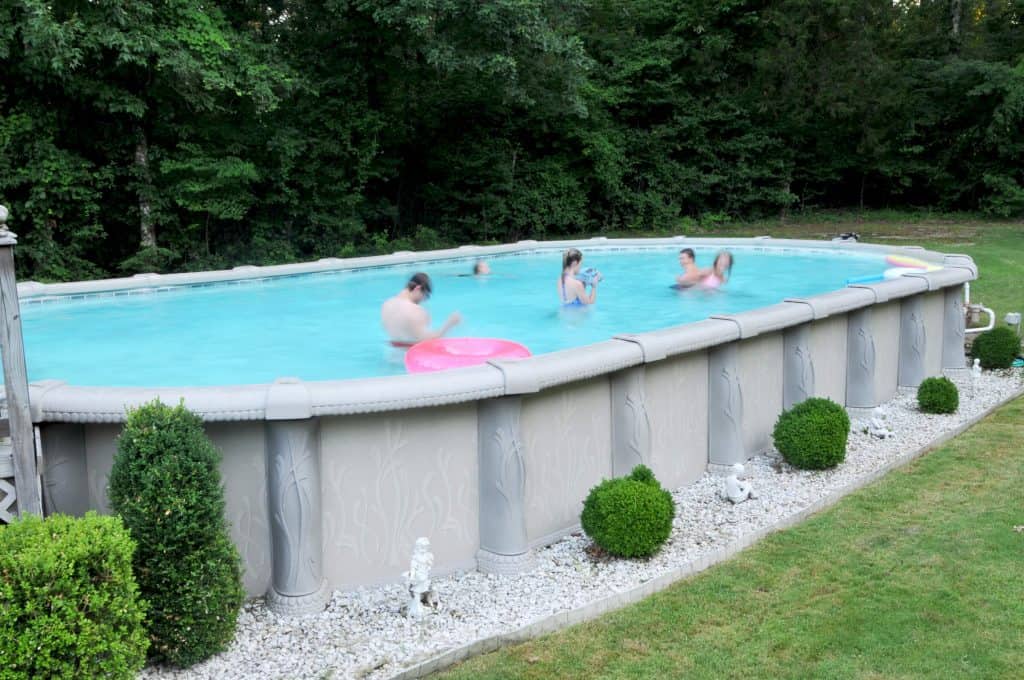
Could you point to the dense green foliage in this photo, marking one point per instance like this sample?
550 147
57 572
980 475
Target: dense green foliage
629 516
165 484
166 135
812 435
938 395
996 348
69 604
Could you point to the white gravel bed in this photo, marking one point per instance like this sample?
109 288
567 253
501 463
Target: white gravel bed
363 633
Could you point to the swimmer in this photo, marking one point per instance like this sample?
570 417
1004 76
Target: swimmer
720 271
405 321
692 274
481 268
572 291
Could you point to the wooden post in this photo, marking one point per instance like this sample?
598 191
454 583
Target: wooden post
12 351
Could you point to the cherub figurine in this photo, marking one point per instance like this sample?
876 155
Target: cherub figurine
735 490
417 579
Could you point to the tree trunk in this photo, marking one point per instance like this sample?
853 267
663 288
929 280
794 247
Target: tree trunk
147 232
956 14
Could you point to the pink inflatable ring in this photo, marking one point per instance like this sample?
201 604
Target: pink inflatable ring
441 353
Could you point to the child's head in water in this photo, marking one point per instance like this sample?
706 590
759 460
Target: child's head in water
723 263
571 260
481 268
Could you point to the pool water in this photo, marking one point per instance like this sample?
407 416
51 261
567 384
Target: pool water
327 326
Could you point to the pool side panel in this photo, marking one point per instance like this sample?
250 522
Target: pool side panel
243 473
100 446
760 373
933 308
828 354
677 396
886 327
567 441
388 479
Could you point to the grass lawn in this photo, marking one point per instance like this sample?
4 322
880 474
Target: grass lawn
918 575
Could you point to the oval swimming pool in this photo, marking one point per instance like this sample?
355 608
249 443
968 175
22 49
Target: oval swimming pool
326 325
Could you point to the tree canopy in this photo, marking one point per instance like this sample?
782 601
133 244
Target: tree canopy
162 135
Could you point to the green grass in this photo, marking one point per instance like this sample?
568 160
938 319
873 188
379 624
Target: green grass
996 246
916 576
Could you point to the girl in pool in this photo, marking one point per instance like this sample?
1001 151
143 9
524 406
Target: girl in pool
720 271
571 291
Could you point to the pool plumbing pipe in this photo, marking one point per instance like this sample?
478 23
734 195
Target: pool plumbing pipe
974 310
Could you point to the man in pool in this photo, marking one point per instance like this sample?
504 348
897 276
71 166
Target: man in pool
405 321
691 275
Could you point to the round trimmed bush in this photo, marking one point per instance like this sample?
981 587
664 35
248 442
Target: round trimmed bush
812 435
938 395
996 348
69 604
165 483
629 516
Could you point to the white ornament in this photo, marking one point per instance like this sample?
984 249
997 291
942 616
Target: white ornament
976 370
417 579
878 426
735 490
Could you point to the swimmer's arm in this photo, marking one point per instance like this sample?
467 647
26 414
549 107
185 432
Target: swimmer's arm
592 298
424 332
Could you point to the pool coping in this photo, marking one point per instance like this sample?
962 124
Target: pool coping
290 398
571 617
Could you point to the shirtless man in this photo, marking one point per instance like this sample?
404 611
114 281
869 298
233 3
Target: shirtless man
691 275
405 321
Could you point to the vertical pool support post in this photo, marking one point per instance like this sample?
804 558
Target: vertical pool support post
913 342
298 586
631 423
797 366
12 351
725 409
504 547
954 361
860 361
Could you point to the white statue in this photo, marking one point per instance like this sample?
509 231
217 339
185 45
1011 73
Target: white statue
735 490
976 370
417 579
878 426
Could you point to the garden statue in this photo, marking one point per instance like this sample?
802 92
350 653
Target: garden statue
735 490
878 426
976 370
417 579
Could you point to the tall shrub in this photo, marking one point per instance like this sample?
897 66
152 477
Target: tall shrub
165 484
69 605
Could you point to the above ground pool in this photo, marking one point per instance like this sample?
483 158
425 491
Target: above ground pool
325 325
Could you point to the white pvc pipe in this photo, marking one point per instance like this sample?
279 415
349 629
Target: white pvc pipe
991 322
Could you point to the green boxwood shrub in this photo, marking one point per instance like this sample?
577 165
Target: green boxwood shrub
938 395
629 516
165 484
812 435
69 604
996 348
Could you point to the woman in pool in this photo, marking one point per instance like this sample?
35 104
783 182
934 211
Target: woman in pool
571 291
720 271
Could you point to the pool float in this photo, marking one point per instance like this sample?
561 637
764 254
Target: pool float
896 272
441 353
910 263
871 278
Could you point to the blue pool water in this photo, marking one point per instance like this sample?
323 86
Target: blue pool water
326 326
